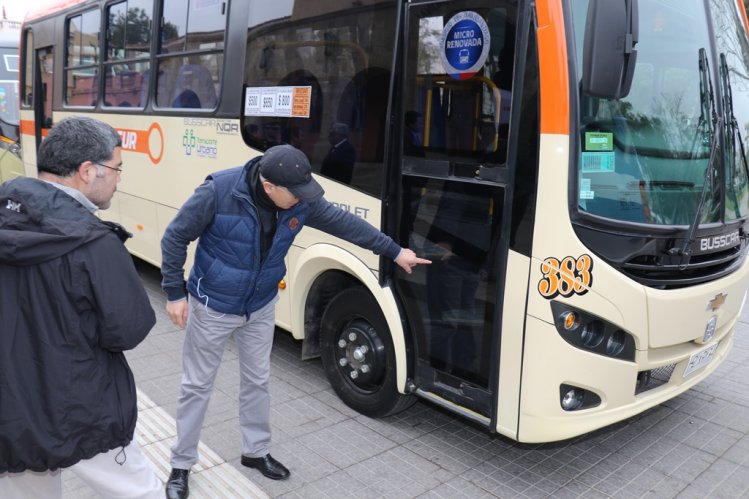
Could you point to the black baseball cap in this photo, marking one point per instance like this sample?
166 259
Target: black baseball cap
289 167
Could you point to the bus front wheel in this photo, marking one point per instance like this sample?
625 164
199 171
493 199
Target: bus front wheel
358 356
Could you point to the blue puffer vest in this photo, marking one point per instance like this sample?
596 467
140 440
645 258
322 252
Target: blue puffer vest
228 275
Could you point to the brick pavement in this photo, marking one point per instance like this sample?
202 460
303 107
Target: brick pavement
694 446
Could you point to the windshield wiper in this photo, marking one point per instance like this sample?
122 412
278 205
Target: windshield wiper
684 251
707 105
714 125
732 124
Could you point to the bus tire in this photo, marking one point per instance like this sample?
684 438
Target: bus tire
355 338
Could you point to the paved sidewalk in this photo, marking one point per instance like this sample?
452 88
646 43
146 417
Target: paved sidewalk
694 446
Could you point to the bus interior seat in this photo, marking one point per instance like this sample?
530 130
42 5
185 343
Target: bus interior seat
187 99
194 87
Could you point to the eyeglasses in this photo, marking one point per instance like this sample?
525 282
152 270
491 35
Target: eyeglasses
118 169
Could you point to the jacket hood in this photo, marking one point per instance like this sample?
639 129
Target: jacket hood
30 234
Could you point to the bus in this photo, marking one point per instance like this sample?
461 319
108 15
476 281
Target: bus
575 169
11 164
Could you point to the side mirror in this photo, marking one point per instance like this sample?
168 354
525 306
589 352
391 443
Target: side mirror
609 54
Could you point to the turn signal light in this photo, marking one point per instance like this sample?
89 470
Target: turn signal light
569 320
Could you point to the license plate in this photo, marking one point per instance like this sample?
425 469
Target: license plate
700 359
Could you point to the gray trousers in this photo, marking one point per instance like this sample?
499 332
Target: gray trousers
206 334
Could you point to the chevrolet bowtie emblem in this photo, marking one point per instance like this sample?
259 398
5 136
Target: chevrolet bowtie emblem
716 302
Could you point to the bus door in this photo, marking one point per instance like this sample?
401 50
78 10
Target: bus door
42 93
456 195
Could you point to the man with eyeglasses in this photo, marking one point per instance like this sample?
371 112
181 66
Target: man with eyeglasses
71 304
245 220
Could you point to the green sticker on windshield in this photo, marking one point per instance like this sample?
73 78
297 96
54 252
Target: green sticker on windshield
599 141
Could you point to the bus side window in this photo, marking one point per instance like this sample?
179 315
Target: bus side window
82 59
184 82
127 53
190 54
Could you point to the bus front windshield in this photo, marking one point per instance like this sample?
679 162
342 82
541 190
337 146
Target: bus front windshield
673 145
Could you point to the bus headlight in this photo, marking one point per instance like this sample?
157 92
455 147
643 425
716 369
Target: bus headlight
615 343
591 333
573 398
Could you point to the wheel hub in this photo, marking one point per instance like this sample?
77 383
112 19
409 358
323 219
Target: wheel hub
361 354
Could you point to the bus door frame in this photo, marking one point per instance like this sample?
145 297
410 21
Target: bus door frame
427 381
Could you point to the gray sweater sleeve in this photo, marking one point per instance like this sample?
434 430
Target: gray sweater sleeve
340 223
191 220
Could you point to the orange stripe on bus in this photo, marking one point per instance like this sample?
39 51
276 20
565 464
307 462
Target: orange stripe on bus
140 141
553 75
26 127
742 9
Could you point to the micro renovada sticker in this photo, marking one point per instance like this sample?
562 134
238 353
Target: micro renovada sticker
465 45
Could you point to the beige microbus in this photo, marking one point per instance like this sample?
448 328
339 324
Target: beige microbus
576 170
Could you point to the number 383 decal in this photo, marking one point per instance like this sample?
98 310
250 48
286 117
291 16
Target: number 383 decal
566 277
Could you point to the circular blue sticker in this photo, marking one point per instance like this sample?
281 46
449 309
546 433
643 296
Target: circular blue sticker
465 45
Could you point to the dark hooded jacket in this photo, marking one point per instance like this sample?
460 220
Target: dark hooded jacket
70 303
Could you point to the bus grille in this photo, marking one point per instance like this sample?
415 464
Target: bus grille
667 272
647 380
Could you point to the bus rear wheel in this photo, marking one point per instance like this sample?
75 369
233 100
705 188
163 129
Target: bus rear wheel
358 356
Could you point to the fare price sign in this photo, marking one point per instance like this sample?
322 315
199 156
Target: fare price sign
287 102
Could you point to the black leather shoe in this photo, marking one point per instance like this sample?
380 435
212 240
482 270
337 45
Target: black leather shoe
267 466
176 486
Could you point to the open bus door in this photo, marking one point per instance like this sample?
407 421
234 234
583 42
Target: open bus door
457 195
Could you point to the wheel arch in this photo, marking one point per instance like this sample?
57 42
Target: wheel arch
320 272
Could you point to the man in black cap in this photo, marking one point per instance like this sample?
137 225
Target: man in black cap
246 219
